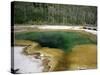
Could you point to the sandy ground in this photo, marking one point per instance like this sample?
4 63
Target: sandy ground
91 31
53 27
26 64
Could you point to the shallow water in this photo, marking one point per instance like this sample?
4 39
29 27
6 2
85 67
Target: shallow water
26 64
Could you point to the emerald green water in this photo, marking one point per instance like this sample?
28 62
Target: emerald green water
62 40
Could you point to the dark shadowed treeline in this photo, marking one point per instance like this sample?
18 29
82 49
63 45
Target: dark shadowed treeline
53 14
